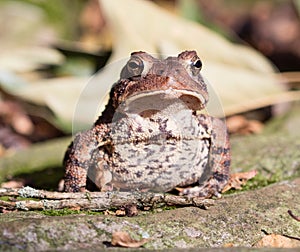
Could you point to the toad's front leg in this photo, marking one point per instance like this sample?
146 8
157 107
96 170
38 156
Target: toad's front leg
82 156
219 159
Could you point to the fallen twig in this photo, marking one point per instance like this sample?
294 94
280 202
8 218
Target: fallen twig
297 218
97 201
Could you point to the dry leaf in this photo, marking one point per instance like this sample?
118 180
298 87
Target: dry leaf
228 245
278 241
239 75
149 27
109 212
237 180
121 212
2 150
292 79
20 45
61 96
28 25
13 114
128 210
24 59
13 184
22 124
241 125
131 210
123 239
75 208
12 141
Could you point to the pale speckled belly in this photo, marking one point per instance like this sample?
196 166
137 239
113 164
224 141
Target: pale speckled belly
158 154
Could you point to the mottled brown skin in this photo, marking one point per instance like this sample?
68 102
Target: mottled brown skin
150 135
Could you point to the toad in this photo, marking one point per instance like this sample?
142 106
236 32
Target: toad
154 133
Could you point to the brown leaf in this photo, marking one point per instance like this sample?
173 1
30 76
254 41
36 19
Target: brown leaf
241 125
131 210
14 115
10 140
121 212
291 78
240 76
75 208
2 150
13 184
237 180
228 245
123 239
278 241
3 210
128 210
109 212
22 124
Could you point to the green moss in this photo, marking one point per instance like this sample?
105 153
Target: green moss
5 198
65 211
161 209
260 181
61 212
257 182
9 198
168 208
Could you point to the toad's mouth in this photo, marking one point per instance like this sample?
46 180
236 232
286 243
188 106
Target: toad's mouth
161 99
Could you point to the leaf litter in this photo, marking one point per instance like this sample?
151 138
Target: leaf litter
123 239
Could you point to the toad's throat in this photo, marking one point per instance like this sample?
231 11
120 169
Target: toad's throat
160 99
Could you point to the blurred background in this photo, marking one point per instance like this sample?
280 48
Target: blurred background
50 49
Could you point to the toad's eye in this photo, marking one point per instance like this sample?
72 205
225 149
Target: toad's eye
196 66
135 67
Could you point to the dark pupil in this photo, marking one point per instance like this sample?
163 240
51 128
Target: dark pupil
198 64
133 65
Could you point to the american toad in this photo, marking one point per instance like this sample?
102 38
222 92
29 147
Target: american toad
151 135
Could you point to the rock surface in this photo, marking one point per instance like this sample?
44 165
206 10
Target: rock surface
238 219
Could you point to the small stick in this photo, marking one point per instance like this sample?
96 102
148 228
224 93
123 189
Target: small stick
297 218
97 201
